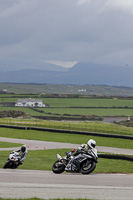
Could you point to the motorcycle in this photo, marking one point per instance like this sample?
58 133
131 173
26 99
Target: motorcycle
13 161
82 163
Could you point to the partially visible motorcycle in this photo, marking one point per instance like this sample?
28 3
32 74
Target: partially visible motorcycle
86 163
13 161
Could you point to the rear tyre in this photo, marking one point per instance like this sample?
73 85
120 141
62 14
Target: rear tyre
87 167
58 167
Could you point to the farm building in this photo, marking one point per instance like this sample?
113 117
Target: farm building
29 103
3 91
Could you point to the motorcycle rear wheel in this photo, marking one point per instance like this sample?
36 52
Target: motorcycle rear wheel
58 167
87 167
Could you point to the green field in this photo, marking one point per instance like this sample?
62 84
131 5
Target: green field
87 102
67 112
66 107
87 111
73 102
66 89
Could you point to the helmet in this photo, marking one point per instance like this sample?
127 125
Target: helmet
91 143
23 149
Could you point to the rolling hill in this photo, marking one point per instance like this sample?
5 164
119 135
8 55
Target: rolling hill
80 74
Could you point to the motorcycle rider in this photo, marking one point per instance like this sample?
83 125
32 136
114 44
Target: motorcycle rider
88 148
22 153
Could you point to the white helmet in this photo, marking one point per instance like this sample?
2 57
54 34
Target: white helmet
91 143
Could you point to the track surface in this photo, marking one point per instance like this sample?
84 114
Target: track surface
35 144
45 184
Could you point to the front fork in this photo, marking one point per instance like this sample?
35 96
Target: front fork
63 162
60 159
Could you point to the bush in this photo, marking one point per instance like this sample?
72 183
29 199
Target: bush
11 113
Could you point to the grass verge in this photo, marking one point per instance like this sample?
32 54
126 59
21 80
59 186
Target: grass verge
64 137
87 126
44 159
8 144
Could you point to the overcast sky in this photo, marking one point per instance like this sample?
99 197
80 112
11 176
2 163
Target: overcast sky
65 32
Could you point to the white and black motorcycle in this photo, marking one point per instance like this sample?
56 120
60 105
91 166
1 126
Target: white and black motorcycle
13 161
84 163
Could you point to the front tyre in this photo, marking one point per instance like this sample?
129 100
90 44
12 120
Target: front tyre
58 167
87 167
7 164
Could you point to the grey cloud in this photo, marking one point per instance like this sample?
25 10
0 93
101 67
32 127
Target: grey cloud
66 30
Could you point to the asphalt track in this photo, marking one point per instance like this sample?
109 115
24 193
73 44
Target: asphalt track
47 185
36 144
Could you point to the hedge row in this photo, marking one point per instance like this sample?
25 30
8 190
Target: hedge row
115 156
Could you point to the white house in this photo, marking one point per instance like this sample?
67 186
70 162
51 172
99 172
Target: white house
82 90
29 103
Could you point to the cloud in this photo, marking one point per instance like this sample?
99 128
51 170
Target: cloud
65 31
66 64
80 2
123 5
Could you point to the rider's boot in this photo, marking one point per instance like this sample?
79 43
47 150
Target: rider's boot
68 168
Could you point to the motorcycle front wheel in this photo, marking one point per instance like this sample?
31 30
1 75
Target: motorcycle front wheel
7 164
58 167
88 167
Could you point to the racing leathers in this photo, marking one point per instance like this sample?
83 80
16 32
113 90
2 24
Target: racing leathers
83 148
22 154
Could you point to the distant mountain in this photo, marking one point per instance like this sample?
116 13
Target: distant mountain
89 73
42 65
79 74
